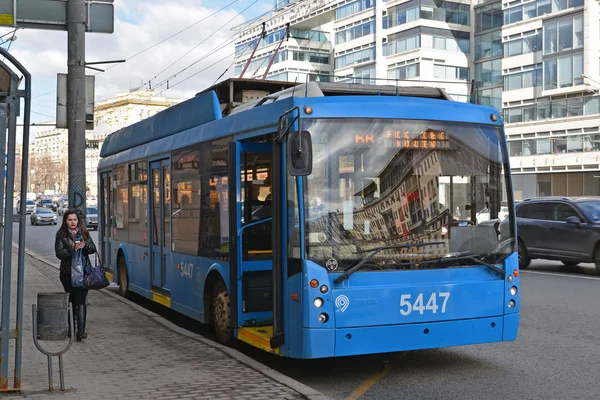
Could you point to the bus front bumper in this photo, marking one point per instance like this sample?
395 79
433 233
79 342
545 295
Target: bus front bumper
319 343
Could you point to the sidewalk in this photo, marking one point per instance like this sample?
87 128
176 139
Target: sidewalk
132 353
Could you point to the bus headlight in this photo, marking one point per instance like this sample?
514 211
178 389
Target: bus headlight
323 318
513 290
510 278
324 289
511 304
318 302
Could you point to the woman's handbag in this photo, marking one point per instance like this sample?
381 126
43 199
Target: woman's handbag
94 276
77 278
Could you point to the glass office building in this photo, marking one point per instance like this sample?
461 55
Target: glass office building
538 62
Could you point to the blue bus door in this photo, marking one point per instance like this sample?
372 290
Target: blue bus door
160 225
106 225
253 240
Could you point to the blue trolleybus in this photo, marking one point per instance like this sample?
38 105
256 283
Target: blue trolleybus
317 220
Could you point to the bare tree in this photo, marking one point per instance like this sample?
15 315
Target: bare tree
45 171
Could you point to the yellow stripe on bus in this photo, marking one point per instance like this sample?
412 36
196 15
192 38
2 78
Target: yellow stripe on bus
260 251
259 337
160 299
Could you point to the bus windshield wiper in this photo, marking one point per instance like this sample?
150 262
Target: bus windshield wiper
376 250
459 256
462 256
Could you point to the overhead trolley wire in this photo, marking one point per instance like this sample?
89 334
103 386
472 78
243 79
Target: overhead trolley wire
154 45
223 44
165 81
176 33
234 61
206 38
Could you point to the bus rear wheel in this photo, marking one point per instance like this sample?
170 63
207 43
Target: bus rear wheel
123 278
221 313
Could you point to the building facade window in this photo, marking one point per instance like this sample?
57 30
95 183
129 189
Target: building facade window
294 75
555 145
452 13
353 8
310 56
489 73
404 72
365 75
355 32
524 45
450 73
274 37
397 16
556 184
488 45
308 34
355 57
565 71
531 76
563 35
400 45
534 9
488 17
263 61
446 43
544 109
490 97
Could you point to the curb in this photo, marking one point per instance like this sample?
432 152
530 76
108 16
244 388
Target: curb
304 390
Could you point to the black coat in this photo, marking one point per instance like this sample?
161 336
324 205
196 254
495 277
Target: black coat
64 246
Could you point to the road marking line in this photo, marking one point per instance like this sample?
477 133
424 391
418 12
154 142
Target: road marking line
372 380
563 275
366 385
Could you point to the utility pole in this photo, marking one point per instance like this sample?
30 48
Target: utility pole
76 21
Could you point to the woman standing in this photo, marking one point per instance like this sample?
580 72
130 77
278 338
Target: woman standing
72 237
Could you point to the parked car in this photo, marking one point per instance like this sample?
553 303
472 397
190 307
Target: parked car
92 218
565 229
43 215
29 206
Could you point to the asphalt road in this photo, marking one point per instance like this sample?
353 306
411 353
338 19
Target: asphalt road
555 356
39 239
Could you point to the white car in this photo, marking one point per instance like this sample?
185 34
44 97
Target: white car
484 214
29 206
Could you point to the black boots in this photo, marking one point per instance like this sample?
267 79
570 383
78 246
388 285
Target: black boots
80 312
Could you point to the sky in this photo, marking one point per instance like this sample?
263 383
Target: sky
183 60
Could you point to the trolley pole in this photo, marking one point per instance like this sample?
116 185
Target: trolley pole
76 12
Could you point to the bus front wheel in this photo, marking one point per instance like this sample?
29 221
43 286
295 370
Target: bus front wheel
222 313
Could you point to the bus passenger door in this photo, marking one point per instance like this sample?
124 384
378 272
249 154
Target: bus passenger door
106 223
254 248
160 225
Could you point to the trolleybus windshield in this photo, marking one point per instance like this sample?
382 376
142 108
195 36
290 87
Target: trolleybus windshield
385 182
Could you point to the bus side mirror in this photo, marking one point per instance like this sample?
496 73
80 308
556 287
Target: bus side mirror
299 153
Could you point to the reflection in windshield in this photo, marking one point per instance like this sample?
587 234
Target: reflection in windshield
387 182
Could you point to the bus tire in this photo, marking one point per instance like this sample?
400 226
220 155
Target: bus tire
221 313
123 277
